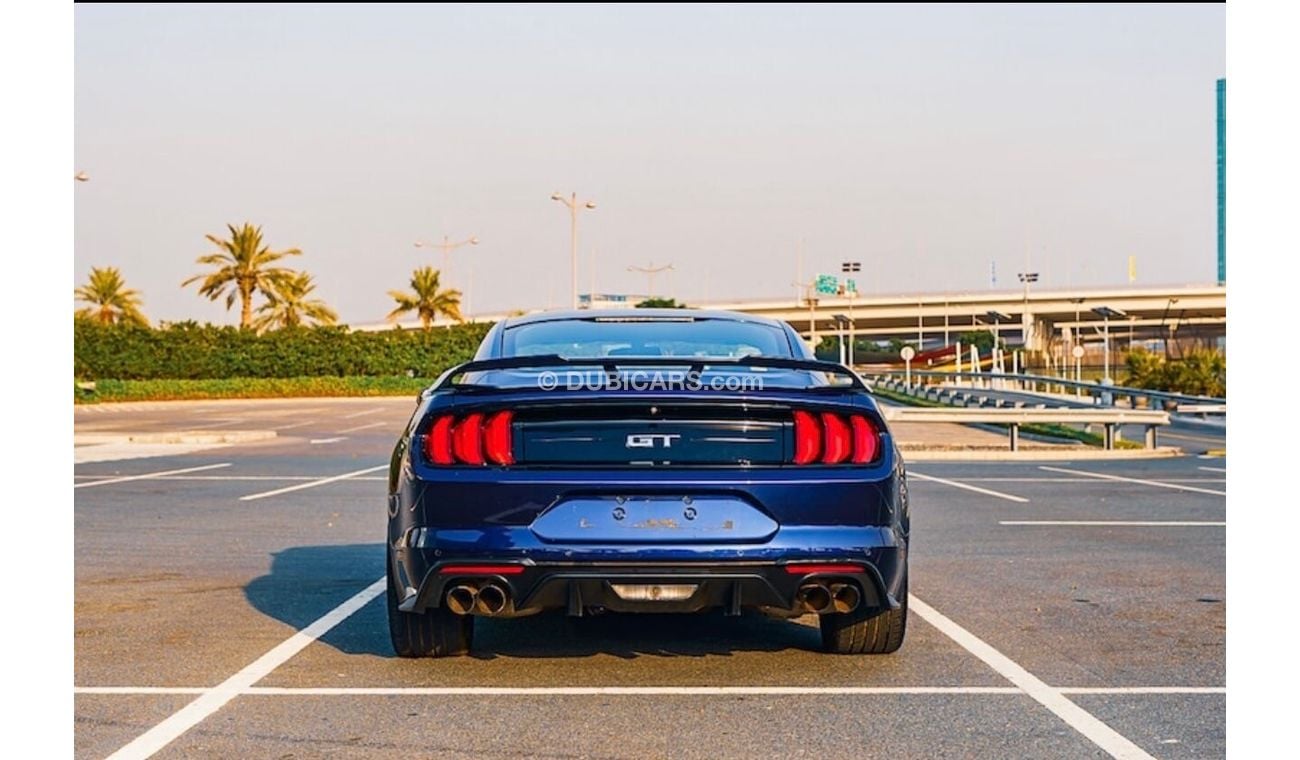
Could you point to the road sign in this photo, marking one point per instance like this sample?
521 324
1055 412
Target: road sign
907 353
851 285
828 284
1077 352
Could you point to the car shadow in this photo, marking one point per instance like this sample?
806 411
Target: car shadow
306 582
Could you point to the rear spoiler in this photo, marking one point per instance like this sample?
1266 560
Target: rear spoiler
611 364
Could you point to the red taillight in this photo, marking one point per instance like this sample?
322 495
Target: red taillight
829 438
807 437
866 444
809 568
496 438
437 444
480 570
475 439
836 449
467 439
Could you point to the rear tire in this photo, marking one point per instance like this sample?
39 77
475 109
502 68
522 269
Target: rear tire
433 633
866 630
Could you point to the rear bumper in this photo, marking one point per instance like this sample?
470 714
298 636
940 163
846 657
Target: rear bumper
578 579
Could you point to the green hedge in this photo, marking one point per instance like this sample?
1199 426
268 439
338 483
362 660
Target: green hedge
191 351
249 387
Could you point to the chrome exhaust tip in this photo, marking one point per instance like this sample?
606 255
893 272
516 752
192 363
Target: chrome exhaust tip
814 597
492 600
845 597
460 600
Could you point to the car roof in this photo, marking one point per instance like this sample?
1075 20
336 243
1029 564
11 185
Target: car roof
638 314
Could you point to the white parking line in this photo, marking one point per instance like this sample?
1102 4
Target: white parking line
1156 483
149 475
1084 480
312 483
329 440
360 414
1213 469
363 427
525 691
1076 717
327 691
279 478
1121 523
1144 690
215 698
129 690
976 489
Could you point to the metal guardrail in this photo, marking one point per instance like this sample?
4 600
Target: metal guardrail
1109 419
1030 383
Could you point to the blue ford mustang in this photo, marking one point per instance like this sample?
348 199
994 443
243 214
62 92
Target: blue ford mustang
646 461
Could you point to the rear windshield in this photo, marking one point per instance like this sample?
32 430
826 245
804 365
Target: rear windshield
592 338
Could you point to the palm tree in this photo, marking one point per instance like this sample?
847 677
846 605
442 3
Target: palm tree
111 301
288 305
428 300
243 269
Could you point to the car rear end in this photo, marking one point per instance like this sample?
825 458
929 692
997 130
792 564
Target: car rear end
731 486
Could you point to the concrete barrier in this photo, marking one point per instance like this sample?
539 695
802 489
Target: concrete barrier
1109 419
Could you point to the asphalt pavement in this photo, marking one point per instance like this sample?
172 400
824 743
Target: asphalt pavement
228 607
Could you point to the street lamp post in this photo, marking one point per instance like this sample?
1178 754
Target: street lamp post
997 317
1026 319
841 322
1106 313
447 246
650 273
809 289
574 207
851 290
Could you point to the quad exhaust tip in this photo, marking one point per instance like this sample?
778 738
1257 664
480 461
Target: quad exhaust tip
491 600
838 597
461 599
845 597
814 597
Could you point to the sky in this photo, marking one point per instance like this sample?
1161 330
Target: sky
935 144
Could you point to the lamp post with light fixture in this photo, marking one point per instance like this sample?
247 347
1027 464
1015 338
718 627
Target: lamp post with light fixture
851 267
650 273
1106 313
574 207
447 246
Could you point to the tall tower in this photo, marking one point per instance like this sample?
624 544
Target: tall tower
1220 88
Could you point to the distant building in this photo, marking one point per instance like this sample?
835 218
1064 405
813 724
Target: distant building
609 300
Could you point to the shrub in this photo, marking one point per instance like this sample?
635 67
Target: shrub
1201 372
187 350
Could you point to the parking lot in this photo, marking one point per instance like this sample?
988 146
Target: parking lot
228 603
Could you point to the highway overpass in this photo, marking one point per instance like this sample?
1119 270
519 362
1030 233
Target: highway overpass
938 318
